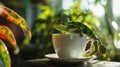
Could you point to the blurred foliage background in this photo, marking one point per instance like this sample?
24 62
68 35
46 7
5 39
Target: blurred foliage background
102 16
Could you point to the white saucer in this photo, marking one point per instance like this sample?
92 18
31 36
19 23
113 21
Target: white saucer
54 57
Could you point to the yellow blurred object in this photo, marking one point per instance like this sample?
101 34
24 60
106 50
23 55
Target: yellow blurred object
5 60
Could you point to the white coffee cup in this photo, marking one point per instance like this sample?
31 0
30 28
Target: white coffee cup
69 45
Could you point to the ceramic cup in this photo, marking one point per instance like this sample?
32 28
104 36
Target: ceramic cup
69 45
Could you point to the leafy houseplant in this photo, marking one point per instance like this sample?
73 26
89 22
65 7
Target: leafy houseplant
41 32
93 46
8 38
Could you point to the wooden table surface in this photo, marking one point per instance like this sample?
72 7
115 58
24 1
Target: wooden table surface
48 63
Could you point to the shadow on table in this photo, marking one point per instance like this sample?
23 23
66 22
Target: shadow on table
47 63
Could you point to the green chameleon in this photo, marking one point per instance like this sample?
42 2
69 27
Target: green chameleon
93 46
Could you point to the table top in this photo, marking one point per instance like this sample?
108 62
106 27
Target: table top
45 62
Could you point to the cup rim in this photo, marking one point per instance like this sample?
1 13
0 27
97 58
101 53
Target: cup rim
65 34
74 34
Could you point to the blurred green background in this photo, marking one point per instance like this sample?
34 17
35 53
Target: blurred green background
102 16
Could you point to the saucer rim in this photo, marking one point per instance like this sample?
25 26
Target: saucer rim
57 59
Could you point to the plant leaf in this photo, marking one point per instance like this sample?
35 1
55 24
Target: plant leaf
4 55
7 34
15 18
61 28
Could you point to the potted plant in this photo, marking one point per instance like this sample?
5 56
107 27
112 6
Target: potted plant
11 23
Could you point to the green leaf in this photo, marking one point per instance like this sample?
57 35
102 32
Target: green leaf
5 60
61 28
